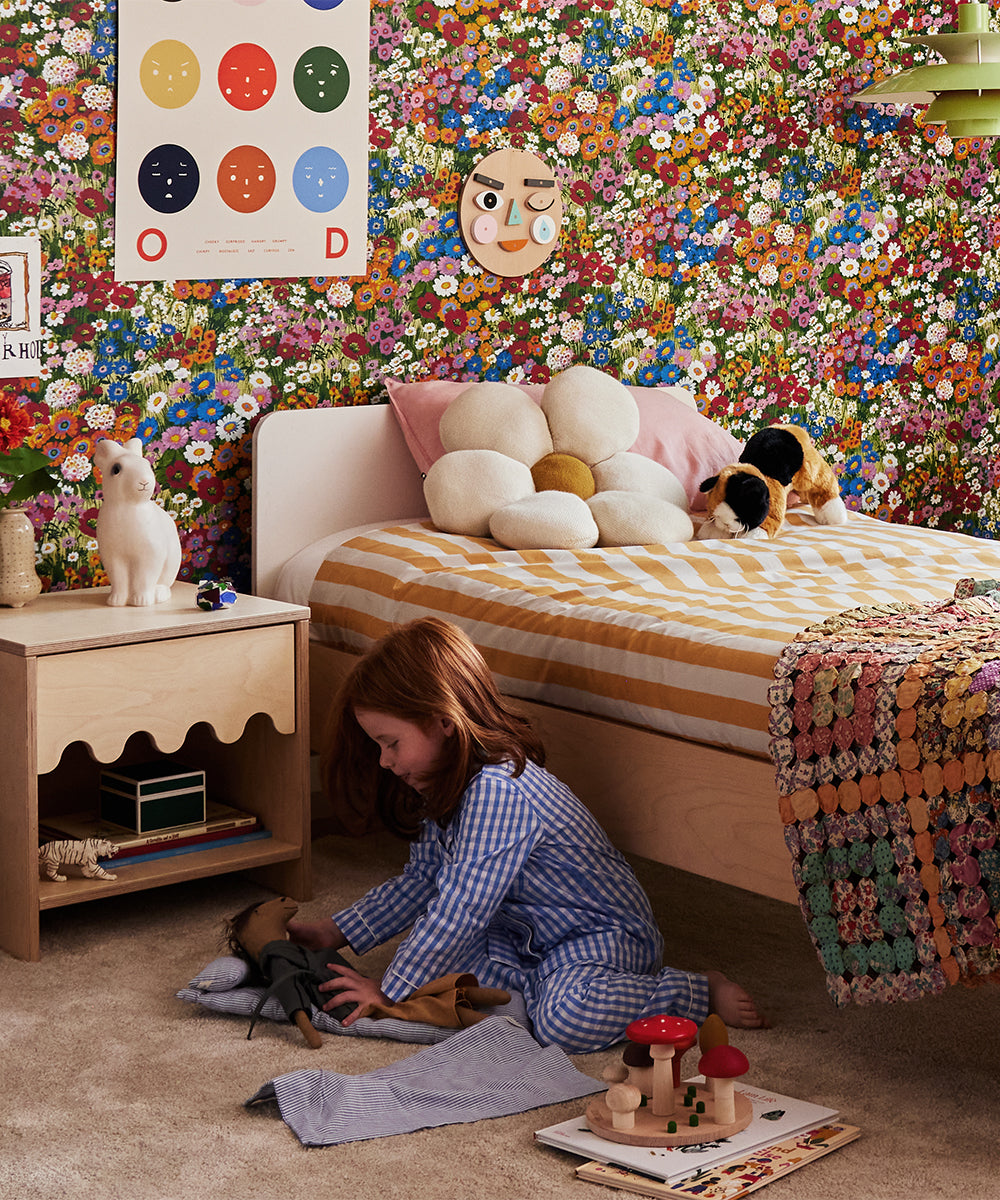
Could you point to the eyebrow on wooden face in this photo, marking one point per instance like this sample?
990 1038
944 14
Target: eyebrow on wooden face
485 179
541 183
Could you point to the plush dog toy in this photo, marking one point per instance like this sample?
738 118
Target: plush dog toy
749 498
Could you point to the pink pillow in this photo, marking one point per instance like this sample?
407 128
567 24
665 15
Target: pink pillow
419 408
671 432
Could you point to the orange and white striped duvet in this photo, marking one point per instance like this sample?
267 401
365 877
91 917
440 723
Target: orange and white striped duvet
681 639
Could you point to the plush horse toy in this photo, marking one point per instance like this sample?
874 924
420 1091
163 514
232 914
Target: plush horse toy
750 497
290 972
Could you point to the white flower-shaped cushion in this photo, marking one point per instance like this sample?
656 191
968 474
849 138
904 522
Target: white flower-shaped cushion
558 475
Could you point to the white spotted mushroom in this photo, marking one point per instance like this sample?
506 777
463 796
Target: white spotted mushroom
664 1036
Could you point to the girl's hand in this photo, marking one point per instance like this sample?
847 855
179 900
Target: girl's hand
351 986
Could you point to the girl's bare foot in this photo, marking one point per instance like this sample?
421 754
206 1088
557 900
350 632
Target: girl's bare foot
734 1005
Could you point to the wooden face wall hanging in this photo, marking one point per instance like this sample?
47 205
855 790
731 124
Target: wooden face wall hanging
510 212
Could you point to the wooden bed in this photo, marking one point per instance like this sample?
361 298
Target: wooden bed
696 807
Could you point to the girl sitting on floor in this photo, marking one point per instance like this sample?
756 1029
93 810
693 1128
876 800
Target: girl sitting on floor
510 877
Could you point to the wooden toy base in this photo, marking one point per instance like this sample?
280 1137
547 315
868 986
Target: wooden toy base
651 1130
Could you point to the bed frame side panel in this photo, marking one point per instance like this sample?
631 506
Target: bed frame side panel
698 808
313 475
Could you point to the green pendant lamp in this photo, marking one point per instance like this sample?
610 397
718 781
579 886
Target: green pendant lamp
963 92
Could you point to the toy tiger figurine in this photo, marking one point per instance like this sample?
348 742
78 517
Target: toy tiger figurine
72 853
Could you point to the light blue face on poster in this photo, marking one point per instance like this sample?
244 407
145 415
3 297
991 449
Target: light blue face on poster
319 179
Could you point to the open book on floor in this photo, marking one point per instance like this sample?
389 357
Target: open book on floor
775 1117
735 1177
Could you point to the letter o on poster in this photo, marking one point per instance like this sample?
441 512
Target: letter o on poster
148 239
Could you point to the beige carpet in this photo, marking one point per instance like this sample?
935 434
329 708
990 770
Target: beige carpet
113 1088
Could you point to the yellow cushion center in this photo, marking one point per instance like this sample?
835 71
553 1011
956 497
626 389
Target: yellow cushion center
563 473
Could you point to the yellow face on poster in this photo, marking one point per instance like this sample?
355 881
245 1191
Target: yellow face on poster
510 212
170 73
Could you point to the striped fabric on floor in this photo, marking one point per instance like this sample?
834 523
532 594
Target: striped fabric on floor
679 639
491 1069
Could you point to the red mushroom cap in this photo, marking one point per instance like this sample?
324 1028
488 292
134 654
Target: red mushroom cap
723 1062
662 1030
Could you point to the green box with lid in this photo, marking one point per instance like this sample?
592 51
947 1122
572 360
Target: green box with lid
148 796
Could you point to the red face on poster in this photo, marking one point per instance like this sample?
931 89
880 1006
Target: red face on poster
247 76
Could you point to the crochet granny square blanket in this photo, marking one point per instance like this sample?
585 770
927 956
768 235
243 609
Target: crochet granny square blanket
885 735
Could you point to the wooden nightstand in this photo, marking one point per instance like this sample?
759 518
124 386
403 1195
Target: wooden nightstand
83 685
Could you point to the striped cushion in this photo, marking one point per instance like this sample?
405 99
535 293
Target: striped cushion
218 987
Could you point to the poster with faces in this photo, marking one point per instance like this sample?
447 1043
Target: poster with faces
242 139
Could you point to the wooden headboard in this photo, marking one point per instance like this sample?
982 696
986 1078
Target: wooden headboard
319 470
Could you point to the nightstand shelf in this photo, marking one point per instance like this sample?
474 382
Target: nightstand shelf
193 865
84 685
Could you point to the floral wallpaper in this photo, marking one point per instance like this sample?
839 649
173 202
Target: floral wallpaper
733 223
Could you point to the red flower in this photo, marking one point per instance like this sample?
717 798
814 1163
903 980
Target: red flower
426 15
428 305
209 488
178 474
456 319
123 296
91 202
355 346
15 424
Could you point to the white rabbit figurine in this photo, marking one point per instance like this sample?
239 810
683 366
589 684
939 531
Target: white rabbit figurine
136 538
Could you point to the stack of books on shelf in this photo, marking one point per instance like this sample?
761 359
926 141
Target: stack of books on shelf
784 1134
222 826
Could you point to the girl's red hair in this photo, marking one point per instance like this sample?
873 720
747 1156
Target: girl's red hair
420 671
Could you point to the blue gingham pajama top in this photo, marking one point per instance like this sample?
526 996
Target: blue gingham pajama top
524 890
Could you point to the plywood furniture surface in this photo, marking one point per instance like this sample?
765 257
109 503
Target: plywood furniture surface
84 685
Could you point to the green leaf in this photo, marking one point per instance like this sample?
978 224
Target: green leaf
29 485
22 461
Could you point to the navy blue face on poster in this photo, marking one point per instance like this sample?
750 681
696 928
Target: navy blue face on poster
168 178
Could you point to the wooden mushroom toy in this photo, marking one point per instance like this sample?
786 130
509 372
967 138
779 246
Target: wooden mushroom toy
721 1066
623 1099
664 1036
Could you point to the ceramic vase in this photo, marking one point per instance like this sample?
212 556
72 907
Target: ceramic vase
19 582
